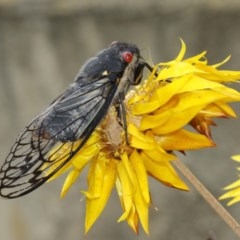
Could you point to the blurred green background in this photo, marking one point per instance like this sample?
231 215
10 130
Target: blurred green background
43 43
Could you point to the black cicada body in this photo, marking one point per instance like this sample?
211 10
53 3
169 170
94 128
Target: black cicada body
73 116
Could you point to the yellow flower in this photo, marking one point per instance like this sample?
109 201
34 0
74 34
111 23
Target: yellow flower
233 190
176 94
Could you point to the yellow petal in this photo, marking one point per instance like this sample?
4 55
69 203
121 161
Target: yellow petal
236 158
182 52
179 69
231 194
233 185
184 84
128 168
152 121
133 219
96 176
57 156
125 191
80 160
198 59
163 172
129 175
221 63
141 207
189 105
179 56
218 109
69 181
139 140
165 93
229 76
61 152
99 192
234 200
218 75
231 94
140 171
59 172
177 120
158 154
184 140
145 107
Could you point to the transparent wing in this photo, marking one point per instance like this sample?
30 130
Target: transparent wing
55 136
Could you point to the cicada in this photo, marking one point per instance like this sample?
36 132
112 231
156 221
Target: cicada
71 118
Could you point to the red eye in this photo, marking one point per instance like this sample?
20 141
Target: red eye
127 57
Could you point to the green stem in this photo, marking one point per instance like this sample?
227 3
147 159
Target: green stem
213 202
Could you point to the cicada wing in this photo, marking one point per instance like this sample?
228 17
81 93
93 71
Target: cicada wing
78 110
54 137
32 161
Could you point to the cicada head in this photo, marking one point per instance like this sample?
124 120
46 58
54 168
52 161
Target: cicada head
125 62
114 61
